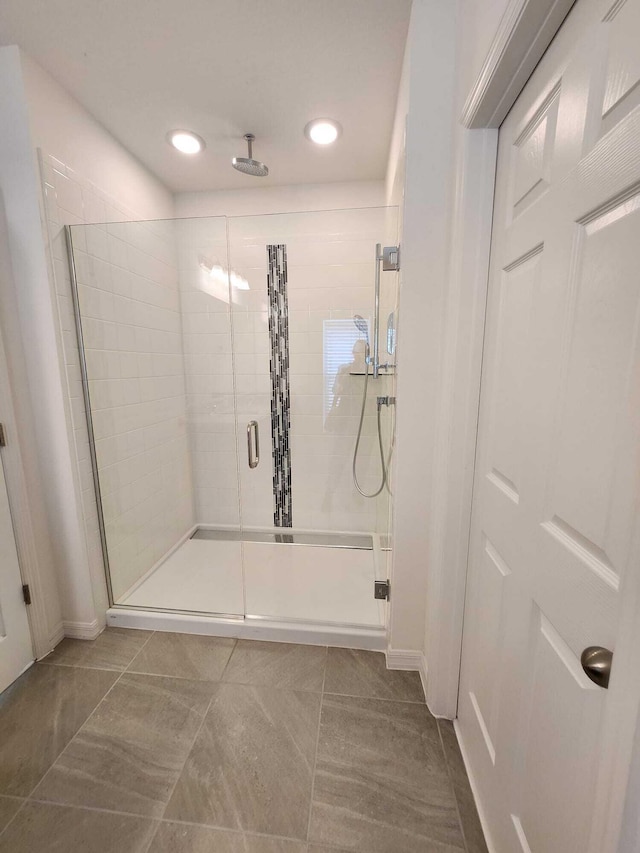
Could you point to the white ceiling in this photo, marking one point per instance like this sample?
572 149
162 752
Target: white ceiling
224 68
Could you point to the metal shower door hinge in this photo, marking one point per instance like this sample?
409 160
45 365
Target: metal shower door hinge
26 593
3 438
381 590
391 258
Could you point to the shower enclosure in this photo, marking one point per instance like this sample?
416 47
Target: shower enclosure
223 374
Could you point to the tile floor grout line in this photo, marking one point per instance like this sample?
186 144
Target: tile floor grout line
80 728
151 818
140 650
47 662
452 785
155 823
152 836
130 671
11 820
315 757
220 828
80 666
329 845
75 735
188 753
378 699
241 831
462 849
234 647
161 820
219 681
42 801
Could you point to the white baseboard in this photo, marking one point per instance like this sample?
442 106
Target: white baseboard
474 790
83 630
408 660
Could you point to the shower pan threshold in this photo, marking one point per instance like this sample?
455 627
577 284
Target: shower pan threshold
250 628
283 585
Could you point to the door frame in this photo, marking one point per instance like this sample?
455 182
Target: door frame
524 33
43 638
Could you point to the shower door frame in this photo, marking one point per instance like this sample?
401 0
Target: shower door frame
77 319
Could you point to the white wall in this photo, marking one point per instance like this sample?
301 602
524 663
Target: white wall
472 177
331 277
22 278
61 128
394 182
478 21
287 199
427 193
38 323
438 166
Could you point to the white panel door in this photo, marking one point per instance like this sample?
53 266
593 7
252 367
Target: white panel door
16 652
555 546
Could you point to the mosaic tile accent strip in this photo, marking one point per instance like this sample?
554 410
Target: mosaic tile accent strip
280 394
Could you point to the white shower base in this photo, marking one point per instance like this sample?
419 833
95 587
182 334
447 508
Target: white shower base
294 592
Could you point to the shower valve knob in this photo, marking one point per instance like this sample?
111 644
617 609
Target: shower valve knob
386 401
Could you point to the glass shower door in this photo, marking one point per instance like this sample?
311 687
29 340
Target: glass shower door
224 369
207 299
311 544
153 320
253 382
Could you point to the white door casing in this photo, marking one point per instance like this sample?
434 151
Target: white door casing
16 652
555 543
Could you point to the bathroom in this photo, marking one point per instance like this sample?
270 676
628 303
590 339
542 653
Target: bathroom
270 413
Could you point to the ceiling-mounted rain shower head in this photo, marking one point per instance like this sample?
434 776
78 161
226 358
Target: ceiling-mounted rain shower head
248 165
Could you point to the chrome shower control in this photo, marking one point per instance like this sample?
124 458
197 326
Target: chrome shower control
391 258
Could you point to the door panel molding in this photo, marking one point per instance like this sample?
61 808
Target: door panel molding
579 503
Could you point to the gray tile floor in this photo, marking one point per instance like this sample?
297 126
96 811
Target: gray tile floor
144 742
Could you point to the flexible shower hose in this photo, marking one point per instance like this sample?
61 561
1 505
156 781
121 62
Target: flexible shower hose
384 464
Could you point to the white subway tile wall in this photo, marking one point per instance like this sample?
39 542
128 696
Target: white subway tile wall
175 325
208 362
330 279
128 289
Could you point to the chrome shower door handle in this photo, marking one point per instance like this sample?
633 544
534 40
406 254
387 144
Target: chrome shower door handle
253 444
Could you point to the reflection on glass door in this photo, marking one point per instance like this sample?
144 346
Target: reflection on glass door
299 325
225 363
154 323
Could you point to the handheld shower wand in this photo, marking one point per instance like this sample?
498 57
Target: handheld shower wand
389 257
363 327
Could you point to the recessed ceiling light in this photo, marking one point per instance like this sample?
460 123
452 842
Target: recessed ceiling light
323 131
186 141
